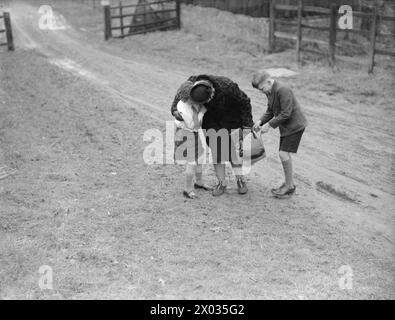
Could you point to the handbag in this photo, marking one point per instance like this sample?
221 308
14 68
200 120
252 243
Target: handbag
253 148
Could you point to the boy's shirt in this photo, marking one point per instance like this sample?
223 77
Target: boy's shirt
284 111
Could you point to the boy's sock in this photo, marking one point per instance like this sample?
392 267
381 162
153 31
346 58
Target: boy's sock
287 166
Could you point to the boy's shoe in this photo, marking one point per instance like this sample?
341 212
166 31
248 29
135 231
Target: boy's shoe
189 194
203 186
276 190
219 190
285 192
241 186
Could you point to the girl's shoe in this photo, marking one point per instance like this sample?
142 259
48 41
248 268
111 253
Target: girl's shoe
189 195
203 186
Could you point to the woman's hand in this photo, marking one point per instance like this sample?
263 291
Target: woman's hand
257 126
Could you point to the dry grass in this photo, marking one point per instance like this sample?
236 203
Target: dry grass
131 234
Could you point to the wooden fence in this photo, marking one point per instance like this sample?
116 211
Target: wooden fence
253 8
143 17
5 16
96 4
333 14
259 8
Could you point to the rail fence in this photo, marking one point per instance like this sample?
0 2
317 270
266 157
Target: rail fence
125 20
95 4
253 8
7 30
260 8
332 29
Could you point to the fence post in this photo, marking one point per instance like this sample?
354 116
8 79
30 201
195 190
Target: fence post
121 18
373 34
271 26
299 34
178 12
107 22
8 30
145 16
332 35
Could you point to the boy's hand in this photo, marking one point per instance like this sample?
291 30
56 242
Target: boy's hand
265 128
178 116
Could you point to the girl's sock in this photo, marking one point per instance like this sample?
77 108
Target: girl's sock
190 170
199 174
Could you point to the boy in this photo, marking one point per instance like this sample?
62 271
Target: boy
283 111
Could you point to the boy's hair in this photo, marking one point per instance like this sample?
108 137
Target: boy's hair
259 77
185 90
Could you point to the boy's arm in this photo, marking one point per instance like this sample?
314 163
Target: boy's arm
286 104
267 116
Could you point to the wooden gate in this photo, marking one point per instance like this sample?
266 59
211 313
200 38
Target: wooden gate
6 29
145 16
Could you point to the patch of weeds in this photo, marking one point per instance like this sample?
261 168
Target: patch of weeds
326 187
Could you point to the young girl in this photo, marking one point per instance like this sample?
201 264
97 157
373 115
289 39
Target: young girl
188 144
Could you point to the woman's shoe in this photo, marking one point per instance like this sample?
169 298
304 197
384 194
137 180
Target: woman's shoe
203 186
189 195
241 186
219 190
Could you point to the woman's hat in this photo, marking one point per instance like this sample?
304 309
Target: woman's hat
202 91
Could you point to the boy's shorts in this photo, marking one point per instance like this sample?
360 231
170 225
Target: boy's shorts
291 143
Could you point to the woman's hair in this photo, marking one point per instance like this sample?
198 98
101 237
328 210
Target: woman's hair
185 90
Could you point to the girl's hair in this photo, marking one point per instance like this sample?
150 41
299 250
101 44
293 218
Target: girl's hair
185 90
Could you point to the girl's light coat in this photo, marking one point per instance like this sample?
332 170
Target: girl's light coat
192 115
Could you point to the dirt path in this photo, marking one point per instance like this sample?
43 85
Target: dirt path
115 225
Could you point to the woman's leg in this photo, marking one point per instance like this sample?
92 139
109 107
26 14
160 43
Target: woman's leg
240 181
219 169
220 173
